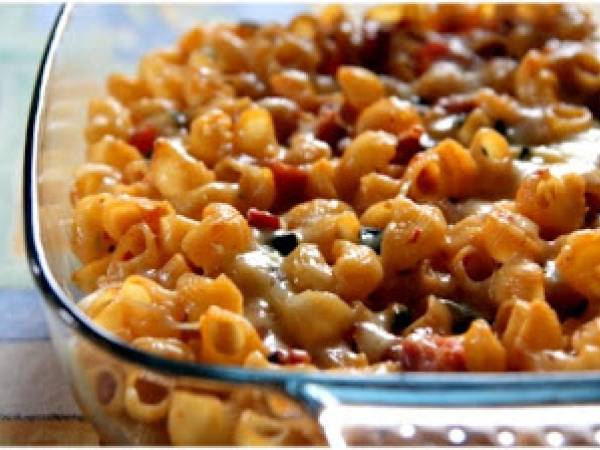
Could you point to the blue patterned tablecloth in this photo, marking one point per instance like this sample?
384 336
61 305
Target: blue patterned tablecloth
36 406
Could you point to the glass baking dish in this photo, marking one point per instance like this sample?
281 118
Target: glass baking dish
88 42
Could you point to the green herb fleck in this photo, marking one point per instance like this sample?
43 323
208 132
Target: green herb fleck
180 120
500 126
525 154
371 237
462 315
401 318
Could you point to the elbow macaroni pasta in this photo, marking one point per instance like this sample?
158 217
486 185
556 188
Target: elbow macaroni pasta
313 196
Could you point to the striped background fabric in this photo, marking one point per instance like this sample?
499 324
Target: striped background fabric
36 406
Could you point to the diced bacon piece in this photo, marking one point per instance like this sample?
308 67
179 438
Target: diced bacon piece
409 143
290 184
329 126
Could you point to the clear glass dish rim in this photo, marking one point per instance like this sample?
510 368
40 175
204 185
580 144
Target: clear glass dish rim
383 389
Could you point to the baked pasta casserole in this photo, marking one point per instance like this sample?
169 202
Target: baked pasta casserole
414 189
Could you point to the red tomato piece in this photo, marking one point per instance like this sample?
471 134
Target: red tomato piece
430 53
143 139
429 352
290 356
299 356
262 219
458 103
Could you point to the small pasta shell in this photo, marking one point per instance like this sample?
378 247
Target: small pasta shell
147 396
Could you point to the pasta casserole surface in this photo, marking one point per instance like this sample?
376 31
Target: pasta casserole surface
416 189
